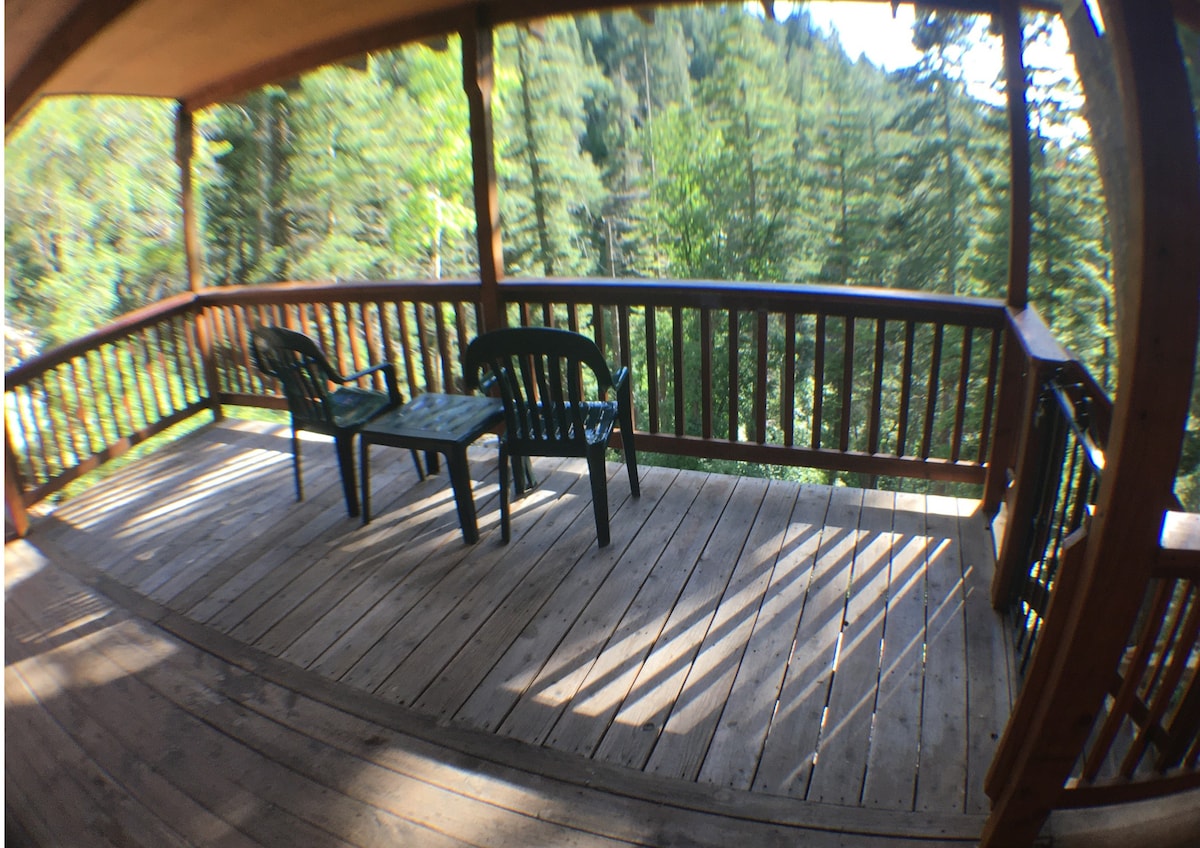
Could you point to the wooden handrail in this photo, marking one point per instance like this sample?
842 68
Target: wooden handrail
857 301
125 325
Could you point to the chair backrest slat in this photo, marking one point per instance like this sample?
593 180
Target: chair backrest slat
301 368
540 376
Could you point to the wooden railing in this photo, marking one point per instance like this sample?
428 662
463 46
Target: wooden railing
788 375
1145 742
1066 442
420 327
862 380
83 404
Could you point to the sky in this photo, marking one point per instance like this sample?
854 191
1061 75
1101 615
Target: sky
869 29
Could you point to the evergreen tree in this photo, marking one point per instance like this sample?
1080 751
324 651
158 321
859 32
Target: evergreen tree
550 189
91 215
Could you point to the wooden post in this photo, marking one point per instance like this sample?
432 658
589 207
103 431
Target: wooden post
1154 374
184 147
14 492
1008 406
1010 424
1024 495
1020 190
478 80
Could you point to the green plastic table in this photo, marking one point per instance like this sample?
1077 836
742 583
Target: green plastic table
434 423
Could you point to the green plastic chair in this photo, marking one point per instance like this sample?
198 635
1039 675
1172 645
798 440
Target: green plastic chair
299 364
539 374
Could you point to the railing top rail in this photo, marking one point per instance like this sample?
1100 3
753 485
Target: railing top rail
123 326
329 291
1035 337
859 301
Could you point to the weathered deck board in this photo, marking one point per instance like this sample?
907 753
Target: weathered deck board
737 744
787 760
796 644
846 734
710 677
943 713
891 776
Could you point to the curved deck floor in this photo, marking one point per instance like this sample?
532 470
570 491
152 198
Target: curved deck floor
134 718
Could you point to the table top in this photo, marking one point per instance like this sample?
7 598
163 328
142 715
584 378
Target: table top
437 418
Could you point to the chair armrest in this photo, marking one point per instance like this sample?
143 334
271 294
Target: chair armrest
488 384
389 377
620 378
350 378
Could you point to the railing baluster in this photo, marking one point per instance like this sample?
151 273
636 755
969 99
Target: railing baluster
652 368
706 375
598 327
935 364
53 394
135 373
408 348
194 357
960 411
1167 688
443 342
624 343
164 369
152 378
242 326
847 383
33 435
677 381
906 385
760 380
876 412
818 381
1131 677
732 392
989 399
96 413
79 435
787 404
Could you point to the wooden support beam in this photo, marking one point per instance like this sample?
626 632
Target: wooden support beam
184 147
478 80
1020 187
1157 350
184 150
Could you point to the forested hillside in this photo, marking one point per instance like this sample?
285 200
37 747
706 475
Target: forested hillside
698 142
709 143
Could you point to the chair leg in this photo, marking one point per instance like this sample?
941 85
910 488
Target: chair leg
345 454
296 465
364 469
417 462
599 480
523 480
630 450
504 526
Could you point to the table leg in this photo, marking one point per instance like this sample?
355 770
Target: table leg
460 479
365 470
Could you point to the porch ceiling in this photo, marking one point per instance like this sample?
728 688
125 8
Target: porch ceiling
202 51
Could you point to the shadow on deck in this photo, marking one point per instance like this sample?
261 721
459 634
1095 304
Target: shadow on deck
194 658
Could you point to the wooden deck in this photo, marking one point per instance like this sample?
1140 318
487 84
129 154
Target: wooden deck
195 658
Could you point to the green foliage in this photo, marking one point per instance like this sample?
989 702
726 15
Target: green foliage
711 144
91 215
